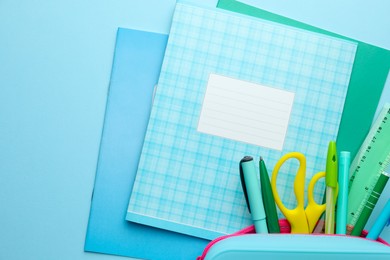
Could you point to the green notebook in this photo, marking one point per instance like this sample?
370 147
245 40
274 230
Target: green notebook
368 78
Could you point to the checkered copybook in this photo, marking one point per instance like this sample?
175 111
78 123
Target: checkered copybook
207 103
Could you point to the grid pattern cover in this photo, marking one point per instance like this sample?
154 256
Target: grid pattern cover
188 181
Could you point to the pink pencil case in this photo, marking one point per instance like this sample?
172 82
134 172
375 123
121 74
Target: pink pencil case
245 244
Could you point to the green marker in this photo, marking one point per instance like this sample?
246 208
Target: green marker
370 204
268 199
331 186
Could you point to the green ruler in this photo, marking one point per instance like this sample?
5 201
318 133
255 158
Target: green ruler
369 163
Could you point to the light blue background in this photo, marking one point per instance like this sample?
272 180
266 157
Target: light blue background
55 64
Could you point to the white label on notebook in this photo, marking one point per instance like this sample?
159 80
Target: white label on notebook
246 112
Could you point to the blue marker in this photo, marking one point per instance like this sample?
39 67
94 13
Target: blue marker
252 192
380 222
342 200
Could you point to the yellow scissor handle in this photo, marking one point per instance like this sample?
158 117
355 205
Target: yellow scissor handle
313 209
297 216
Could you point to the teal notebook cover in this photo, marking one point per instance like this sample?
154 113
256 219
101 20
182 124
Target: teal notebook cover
187 179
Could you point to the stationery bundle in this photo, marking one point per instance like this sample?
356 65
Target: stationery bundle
229 85
301 220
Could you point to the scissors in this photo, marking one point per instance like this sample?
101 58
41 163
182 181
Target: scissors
302 220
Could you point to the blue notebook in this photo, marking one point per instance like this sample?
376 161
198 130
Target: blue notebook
135 71
231 86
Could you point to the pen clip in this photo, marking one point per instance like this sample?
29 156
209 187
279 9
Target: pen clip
244 186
